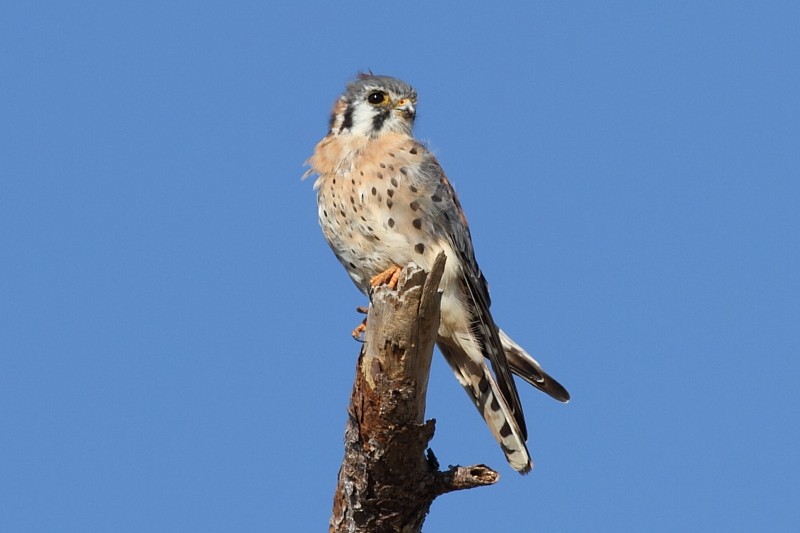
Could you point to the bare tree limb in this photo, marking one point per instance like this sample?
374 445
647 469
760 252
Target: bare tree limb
387 482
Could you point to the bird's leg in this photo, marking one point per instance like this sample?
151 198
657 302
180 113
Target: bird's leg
389 277
361 328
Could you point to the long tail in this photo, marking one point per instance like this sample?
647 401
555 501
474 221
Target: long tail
526 367
480 385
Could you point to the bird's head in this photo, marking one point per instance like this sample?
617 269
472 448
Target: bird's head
372 105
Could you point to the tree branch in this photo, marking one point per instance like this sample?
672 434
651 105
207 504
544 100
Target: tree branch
387 482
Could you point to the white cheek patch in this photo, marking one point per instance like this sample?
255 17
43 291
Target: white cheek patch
362 119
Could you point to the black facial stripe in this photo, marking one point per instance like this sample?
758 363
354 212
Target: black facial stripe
379 119
347 121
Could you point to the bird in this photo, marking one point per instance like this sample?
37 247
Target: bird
383 202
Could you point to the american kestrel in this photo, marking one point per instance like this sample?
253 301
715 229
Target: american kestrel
385 202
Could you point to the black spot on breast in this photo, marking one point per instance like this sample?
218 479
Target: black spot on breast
389 203
382 165
436 198
390 222
391 154
380 175
417 223
374 191
390 192
413 150
333 181
352 200
325 213
352 265
404 171
419 248
413 189
414 205
394 182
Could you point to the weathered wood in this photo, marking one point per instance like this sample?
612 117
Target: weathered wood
386 481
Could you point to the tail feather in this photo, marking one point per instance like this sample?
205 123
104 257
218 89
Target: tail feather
480 385
526 367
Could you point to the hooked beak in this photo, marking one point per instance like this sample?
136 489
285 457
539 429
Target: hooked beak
405 107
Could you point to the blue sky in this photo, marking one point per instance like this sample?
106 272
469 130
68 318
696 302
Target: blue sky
174 332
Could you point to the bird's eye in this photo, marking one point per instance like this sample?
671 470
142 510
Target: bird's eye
376 98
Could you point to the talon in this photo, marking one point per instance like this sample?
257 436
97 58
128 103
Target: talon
361 309
361 328
389 277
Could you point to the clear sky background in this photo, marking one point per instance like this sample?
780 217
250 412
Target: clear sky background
175 350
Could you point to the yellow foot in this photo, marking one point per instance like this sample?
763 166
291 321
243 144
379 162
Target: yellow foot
361 328
389 277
